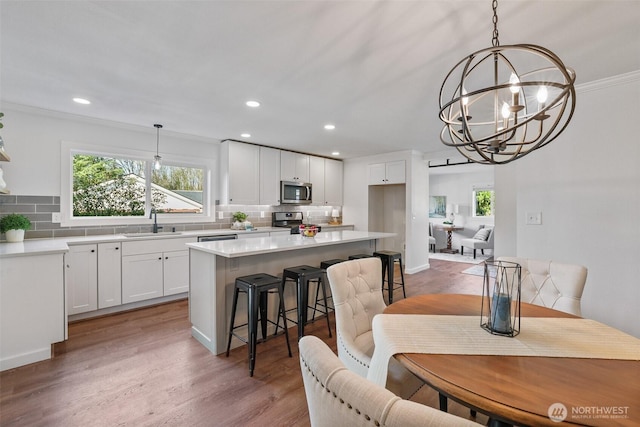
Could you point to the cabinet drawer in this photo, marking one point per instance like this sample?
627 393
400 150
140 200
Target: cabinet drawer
156 245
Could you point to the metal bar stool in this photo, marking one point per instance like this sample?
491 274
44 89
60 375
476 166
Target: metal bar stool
359 256
257 287
326 309
388 259
302 275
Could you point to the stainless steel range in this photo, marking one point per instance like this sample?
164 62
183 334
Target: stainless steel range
291 220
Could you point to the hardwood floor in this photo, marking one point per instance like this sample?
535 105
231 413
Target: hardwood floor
143 368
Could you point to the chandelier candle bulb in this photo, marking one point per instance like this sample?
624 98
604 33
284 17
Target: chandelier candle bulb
515 89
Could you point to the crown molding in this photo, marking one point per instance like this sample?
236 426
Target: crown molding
621 79
63 115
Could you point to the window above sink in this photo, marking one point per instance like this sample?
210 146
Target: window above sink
103 186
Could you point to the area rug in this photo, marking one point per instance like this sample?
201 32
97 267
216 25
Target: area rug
459 258
478 270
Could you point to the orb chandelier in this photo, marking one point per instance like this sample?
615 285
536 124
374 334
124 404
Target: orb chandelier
503 102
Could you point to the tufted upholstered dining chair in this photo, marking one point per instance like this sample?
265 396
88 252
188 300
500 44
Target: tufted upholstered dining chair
356 287
551 284
338 397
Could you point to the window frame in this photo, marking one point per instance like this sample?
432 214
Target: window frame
69 149
484 187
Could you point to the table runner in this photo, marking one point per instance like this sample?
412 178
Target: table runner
539 336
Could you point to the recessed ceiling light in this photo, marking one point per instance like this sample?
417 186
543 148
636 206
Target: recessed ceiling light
82 101
335 153
329 126
253 104
245 135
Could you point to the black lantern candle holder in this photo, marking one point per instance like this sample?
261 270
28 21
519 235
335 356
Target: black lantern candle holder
500 311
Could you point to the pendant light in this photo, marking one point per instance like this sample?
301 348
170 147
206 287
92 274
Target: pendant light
503 102
157 158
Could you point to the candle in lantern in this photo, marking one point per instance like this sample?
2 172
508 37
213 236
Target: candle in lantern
501 313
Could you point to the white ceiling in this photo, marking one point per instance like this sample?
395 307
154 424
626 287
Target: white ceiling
373 68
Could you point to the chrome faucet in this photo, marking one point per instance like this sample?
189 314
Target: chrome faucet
154 214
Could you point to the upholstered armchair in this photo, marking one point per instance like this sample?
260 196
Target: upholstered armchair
551 284
483 239
338 397
432 239
356 287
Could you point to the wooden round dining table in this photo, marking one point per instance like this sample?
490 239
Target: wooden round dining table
521 390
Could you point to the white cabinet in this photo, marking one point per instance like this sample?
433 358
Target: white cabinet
333 177
269 176
175 272
387 173
81 278
154 268
32 307
240 173
326 177
141 277
109 274
316 178
294 166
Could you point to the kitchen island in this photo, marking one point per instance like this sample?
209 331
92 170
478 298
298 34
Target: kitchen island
214 267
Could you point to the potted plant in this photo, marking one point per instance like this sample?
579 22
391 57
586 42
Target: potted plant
14 226
238 220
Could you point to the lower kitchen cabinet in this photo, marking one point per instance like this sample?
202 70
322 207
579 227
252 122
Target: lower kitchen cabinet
81 278
109 275
32 307
175 272
154 268
142 277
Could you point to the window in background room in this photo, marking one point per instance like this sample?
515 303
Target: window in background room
483 201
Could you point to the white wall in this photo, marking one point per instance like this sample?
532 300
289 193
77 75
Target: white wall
587 186
32 139
356 202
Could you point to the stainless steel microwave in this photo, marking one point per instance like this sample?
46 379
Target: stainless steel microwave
295 193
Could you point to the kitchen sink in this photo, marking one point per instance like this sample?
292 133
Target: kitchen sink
165 234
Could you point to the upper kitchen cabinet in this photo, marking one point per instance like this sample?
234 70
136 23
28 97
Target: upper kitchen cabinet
239 173
387 173
269 176
294 166
326 177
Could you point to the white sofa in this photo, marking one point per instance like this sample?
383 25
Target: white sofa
476 243
338 397
551 284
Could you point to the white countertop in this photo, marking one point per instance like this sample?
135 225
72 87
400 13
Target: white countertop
60 244
33 247
261 245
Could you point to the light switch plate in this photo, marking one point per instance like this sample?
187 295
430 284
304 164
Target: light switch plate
56 217
261 214
534 218
220 215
